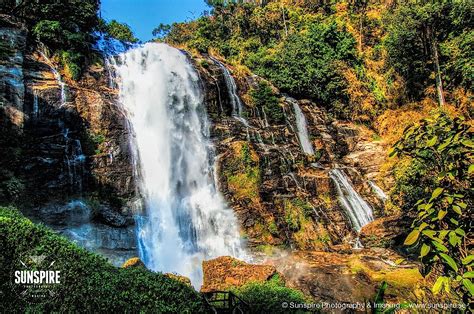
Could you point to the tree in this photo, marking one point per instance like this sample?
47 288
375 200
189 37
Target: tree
162 30
416 30
120 31
441 230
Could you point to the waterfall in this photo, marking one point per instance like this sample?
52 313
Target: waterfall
35 104
186 219
302 128
57 76
356 208
237 107
378 191
75 160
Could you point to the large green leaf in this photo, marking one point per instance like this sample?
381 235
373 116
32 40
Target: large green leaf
468 259
437 192
425 249
438 284
471 169
412 237
449 260
469 286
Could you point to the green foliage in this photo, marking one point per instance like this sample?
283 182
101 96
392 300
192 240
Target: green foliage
306 63
120 31
162 30
11 188
49 32
264 98
414 28
443 149
267 297
88 282
72 62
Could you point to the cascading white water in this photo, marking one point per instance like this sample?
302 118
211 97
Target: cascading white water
237 107
359 212
57 76
378 191
187 220
35 104
302 128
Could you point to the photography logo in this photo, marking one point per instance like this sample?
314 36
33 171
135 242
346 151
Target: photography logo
35 277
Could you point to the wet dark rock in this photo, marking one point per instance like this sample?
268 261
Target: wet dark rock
109 216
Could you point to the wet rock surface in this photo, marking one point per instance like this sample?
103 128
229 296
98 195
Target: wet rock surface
349 276
225 272
281 195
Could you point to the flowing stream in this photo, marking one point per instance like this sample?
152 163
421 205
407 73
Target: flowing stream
356 208
302 128
185 220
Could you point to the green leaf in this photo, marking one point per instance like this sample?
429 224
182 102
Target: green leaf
453 238
457 209
423 226
437 192
471 169
469 274
441 214
440 246
468 259
438 285
468 143
425 249
462 205
449 260
442 234
443 146
432 141
412 237
429 233
460 232
469 286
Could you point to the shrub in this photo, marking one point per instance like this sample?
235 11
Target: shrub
264 98
443 148
88 282
72 63
49 32
267 297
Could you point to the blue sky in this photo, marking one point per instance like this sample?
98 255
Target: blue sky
144 15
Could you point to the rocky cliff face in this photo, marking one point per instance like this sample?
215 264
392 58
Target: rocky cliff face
66 158
282 195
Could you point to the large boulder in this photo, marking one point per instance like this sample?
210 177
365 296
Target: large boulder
225 272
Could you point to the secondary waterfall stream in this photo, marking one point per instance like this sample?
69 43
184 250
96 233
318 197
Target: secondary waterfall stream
359 212
237 107
301 124
187 220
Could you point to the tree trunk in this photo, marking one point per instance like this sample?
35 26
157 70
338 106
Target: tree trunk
439 81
